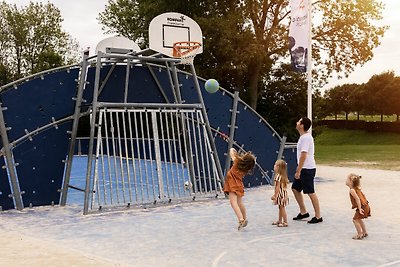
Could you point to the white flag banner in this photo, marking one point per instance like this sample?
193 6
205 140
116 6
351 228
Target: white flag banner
299 34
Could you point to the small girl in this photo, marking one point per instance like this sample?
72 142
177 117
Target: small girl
280 196
242 165
359 202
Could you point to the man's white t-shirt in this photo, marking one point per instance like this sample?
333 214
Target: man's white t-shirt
306 144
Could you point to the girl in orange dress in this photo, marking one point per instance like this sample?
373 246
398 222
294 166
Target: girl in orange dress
280 196
360 203
233 186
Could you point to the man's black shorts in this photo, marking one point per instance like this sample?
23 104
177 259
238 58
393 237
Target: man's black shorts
306 181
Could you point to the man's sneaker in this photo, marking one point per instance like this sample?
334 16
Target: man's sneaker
315 220
301 216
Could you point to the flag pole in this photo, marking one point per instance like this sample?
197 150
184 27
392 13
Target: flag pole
309 64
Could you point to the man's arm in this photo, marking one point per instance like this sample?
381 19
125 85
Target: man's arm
300 165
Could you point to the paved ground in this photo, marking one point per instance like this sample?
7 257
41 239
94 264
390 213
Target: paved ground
204 234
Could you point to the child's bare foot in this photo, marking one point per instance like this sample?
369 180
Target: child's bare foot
358 237
276 223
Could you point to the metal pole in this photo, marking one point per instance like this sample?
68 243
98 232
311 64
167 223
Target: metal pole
188 150
282 147
158 156
204 113
231 130
92 131
81 86
16 191
309 64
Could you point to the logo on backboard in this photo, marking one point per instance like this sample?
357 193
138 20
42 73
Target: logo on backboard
179 20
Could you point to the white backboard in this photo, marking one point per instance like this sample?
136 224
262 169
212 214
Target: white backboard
169 28
117 42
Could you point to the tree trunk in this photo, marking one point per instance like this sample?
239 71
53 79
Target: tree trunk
358 116
254 75
347 116
397 118
382 117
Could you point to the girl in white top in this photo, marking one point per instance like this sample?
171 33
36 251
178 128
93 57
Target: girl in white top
280 196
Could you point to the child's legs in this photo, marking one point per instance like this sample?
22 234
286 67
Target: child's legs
364 230
241 206
282 214
358 226
233 199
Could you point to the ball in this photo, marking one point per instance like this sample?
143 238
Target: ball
211 86
188 185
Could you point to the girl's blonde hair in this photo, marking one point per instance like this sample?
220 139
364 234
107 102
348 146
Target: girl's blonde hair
245 162
282 171
355 180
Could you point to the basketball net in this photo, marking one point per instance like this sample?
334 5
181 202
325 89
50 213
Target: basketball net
186 51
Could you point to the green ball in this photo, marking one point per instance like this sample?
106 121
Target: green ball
211 86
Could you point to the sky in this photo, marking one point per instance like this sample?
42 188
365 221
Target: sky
80 20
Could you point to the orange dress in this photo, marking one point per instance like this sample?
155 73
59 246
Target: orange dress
364 205
234 181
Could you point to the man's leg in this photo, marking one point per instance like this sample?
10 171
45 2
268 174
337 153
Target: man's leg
300 201
315 203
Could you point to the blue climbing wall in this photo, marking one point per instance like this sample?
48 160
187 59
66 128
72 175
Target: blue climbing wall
38 102
33 105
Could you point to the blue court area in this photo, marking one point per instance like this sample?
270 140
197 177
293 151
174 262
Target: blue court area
119 181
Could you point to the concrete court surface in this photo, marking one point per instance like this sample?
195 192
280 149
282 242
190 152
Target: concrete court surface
205 234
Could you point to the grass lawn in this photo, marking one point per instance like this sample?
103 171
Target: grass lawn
358 149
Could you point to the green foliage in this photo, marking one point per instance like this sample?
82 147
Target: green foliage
246 40
32 40
380 95
284 101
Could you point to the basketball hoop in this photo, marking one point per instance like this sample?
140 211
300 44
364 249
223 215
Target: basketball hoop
186 51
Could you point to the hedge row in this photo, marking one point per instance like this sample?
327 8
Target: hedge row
387 127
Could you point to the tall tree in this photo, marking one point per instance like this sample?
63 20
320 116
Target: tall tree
379 94
246 40
32 40
284 101
358 99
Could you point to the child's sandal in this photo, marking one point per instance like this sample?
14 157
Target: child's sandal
276 223
365 235
357 237
282 224
242 224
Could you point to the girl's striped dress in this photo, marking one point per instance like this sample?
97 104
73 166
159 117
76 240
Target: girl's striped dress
282 198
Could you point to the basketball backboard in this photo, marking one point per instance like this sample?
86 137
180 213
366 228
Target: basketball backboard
117 44
169 28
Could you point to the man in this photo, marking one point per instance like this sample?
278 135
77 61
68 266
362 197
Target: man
305 172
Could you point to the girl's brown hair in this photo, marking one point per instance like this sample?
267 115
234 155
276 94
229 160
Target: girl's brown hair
245 162
282 171
355 180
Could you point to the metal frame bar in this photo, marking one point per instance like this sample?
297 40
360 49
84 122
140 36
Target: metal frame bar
75 123
232 128
10 164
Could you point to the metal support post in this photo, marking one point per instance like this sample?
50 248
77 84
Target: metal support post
81 87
